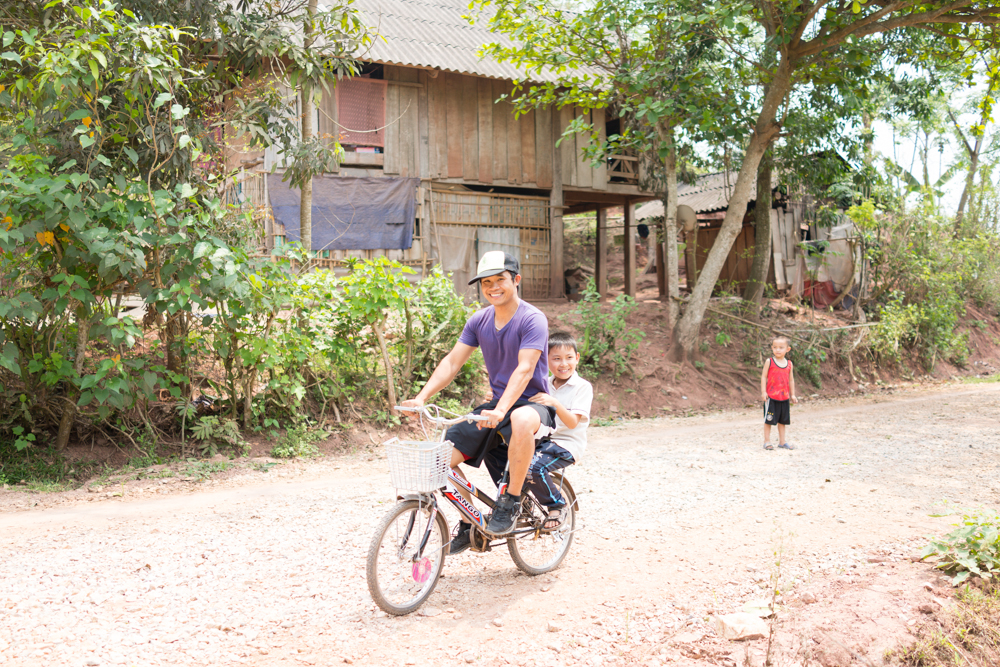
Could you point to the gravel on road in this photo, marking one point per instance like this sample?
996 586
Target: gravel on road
680 520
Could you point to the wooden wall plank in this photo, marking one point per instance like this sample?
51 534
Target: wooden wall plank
423 149
453 133
438 137
601 172
485 94
584 172
527 122
513 143
567 149
470 128
501 116
327 125
409 163
392 158
544 148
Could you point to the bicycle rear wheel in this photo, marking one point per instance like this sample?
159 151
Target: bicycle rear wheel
398 582
540 552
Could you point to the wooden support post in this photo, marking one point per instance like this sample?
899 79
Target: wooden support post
690 258
601 253
630 268
557 279
661 262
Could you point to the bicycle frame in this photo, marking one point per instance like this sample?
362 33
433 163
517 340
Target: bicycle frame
463 505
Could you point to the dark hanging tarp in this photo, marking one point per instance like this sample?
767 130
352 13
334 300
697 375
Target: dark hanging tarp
350 213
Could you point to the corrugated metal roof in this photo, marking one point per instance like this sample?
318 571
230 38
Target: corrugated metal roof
432 33
708 193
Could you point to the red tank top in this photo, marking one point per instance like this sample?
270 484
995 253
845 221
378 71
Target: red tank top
777 380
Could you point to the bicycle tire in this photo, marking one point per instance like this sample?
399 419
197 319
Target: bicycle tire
383 591
524 548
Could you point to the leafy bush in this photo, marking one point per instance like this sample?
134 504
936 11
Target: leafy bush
807 364
972 548
918 277
298 442
215 432
607 342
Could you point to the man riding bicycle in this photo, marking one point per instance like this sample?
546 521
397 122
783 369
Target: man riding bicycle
513 336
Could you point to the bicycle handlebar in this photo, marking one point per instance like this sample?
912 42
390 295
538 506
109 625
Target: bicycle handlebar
425 410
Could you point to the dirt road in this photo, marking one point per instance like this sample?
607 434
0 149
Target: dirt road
680 521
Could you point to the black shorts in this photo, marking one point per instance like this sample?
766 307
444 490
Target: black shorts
475 444
776 412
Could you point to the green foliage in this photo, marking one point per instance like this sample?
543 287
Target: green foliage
807 364
299 442
920 276
973 548
607 341
215 432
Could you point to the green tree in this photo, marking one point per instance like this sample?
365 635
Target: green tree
652 62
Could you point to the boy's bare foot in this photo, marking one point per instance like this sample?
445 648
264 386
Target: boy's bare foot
768 446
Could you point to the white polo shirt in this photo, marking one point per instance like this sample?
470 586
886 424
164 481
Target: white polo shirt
576 395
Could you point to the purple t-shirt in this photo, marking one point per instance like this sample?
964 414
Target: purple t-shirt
527 330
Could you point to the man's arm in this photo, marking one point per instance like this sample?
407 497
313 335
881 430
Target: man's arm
443 374
518 382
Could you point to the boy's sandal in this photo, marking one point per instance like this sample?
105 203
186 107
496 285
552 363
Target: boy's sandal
786 445
768 446
555 520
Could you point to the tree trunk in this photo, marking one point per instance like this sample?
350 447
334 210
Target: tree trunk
762 234
765 131
69 412
380 335
666 133
969 179
308 111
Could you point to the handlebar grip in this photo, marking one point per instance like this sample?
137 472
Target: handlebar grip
408 409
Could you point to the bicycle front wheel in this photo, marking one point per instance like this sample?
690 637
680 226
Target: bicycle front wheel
399 581
539 552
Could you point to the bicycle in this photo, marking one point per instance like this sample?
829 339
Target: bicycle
407 552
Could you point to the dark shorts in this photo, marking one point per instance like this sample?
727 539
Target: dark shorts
475 444
776 412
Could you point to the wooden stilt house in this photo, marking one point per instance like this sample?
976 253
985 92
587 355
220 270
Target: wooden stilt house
429 110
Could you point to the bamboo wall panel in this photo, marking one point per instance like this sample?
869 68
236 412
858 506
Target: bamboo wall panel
521 222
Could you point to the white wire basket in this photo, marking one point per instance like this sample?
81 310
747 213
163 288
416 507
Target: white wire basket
419 466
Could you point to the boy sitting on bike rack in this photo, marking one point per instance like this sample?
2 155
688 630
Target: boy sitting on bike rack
571 397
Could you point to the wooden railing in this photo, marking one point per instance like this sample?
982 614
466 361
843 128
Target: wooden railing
624 168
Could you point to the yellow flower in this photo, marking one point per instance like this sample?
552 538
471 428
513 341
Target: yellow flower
116 358
8 221
45 238
91 135
87 121
65 228
2 88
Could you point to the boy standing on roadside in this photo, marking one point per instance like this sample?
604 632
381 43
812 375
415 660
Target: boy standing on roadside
777 389
570 395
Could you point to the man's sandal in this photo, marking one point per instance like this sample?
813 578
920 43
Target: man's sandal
554 520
